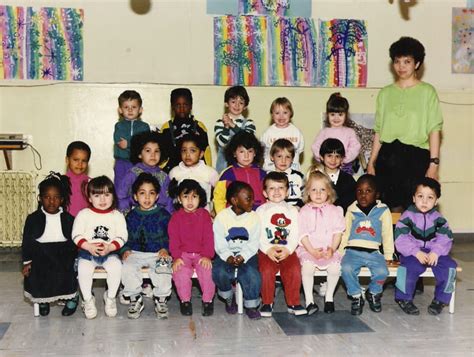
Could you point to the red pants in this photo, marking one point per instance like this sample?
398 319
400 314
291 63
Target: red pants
290 272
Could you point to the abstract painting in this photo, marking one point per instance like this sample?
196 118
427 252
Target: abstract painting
298 8
342 53
41 43
463 41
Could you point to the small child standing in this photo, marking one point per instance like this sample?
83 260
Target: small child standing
331 154
99 232
183 123
368 226
48 251
236 236
147 244
245 152
192 247
193 167
78 154
278 241
236 101
282 155
147 154
130 109
423 239
337 119
321 225
281 111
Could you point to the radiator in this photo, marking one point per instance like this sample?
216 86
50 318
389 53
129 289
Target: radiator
17 200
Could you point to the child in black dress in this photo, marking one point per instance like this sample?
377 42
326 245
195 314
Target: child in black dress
47 249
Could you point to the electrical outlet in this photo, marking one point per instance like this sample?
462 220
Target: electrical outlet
28 139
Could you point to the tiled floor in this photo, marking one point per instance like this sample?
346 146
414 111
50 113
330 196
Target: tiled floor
389 333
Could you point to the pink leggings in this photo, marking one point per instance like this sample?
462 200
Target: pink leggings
182 278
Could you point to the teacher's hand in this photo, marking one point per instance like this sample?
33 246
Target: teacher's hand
432 171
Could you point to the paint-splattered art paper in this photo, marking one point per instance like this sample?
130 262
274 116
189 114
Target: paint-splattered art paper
342 54
463 41
289 8
41 43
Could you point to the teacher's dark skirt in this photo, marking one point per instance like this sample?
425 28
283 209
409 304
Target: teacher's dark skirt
398 167
52 275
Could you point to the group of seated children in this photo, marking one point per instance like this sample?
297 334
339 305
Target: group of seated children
171 212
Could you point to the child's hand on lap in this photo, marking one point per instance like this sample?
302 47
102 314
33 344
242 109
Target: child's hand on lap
238 260
317 253
163 253
106 249
26 270
206 263
273 254
231 260
422 257
329 253
283 253
94 248
432 259
126 254
177 264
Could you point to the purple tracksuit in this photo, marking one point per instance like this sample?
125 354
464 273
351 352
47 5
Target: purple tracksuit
428 232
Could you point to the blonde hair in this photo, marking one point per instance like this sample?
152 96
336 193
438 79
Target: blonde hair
318 175
285 103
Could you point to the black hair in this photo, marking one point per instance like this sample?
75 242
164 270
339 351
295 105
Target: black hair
248 141
235 92
428 182
188 186
196 139
337 104
138 141
102 184
278 177
369 179
181 92
129 95
145 177
78 145
282 144
408 46
332 145
234 188
61 183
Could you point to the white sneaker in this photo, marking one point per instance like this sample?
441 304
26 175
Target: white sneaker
89 308
110 305
161 308
323 287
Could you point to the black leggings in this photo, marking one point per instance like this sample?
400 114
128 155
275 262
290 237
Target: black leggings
398 166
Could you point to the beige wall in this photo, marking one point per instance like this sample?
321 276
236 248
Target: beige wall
173 44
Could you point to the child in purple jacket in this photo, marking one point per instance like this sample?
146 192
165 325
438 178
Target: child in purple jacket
424 239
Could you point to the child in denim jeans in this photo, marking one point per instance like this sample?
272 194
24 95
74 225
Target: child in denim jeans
236 237
147 245
368 226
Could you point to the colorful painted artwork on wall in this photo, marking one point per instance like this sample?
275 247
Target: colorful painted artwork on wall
342 53
264 50
41 43
463 41
290 8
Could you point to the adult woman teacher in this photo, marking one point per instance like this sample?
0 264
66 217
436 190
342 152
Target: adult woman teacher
407 128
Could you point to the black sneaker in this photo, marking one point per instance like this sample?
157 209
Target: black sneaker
408 307
297 310
266 310
312 308
357 305
374 301
44 309
329 307
186 308
436 307
70 307
207 308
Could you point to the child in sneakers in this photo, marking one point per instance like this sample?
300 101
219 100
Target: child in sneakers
78 154
282 154
146 155
236 236
281 111
48 251
147 246
278 241
321 225
368 226
193 167
236 101
423 239
100 231
192 247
